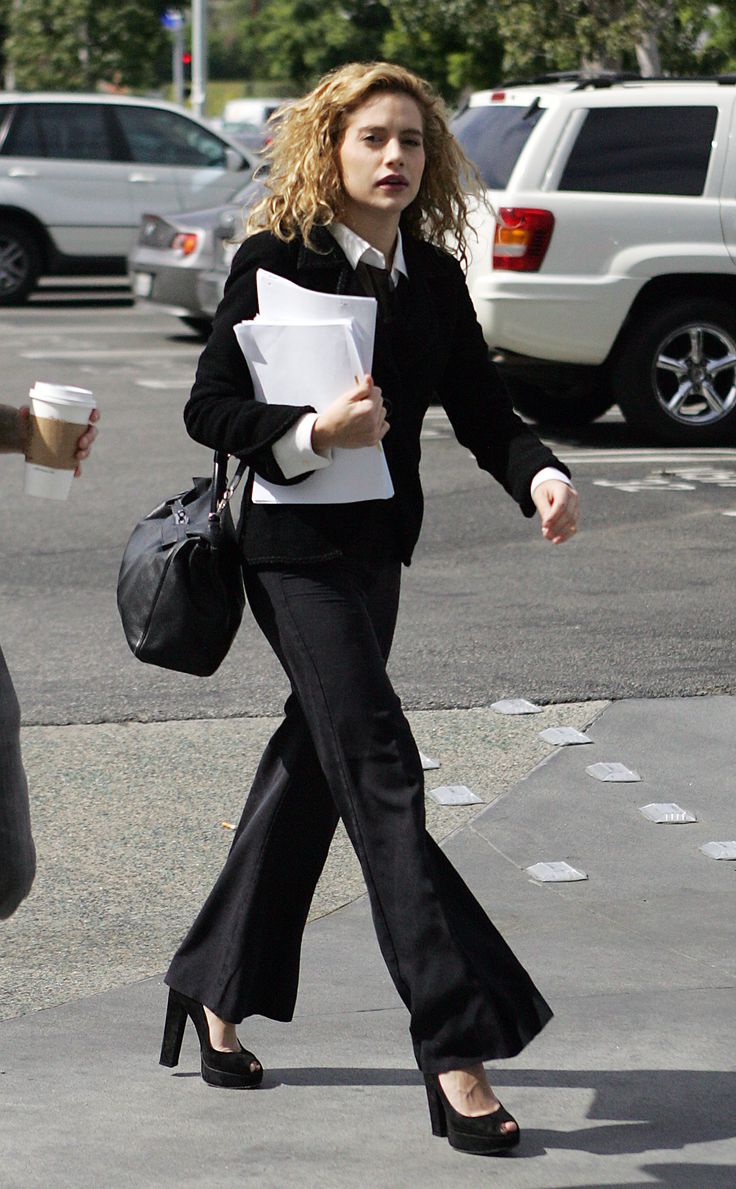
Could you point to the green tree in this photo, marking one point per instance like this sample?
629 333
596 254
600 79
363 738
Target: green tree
74 45
301 39
650 36
455 44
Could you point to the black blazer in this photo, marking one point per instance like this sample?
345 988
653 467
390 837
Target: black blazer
431 349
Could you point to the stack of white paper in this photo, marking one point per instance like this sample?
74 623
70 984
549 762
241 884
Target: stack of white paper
307 348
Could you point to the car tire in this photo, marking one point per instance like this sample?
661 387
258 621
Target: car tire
568 410
203 326
20 264
674 375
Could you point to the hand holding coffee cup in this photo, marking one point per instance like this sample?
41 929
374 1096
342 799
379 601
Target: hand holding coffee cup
55 445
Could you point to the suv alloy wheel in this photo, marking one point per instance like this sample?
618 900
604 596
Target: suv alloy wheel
676 373
20 264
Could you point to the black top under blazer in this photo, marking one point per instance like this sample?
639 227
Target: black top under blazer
431 349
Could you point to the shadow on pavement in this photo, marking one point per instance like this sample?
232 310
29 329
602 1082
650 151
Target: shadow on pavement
644 1110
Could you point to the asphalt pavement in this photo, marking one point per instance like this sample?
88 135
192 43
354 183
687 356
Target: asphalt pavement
632 1083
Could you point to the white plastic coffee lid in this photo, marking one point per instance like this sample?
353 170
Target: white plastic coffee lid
62 393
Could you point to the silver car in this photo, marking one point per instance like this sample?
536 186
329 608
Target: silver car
78 171
181 261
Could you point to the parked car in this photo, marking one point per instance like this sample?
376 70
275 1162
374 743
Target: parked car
180 261
250 111
253 137
78 171
606 270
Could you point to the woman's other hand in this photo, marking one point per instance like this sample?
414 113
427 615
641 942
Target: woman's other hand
558 507
354 420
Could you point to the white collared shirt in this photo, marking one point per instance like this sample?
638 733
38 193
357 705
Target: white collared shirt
357 250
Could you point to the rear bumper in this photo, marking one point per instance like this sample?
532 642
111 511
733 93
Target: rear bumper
171 287
567 319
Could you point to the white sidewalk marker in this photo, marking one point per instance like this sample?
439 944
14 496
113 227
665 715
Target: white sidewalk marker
427 762
612 772
564 736
453 794
555 873
667 813
515 706
720 850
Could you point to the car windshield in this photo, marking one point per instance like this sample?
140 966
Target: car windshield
493 137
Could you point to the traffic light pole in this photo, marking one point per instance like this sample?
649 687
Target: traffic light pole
199 56
177 63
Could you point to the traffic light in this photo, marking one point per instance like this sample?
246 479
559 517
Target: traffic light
186 72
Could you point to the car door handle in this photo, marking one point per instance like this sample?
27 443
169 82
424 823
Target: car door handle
141 177
22 171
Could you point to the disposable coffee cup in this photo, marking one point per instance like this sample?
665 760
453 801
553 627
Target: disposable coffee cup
57 415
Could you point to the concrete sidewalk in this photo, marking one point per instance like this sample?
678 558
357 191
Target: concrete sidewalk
633 1083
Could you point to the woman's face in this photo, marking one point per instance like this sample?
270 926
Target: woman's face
381 158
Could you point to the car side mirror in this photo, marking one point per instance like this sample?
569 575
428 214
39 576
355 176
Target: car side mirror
234 160
225 227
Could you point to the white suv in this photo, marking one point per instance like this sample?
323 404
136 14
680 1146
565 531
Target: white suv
77 172
608 273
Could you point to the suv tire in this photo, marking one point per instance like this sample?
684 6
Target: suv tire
675 373
576 408
20 264
203 326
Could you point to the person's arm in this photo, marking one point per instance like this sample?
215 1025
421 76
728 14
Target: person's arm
479 408
13 430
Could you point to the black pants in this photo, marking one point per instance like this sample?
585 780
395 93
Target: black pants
345 749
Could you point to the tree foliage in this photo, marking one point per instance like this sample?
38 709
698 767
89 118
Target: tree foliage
457 44
74 45
473 43
553 35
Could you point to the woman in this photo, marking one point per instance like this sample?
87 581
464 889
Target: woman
364 189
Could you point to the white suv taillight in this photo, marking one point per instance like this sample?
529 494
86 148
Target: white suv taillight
522 238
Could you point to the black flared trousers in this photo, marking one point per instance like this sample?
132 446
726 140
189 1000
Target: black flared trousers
345 749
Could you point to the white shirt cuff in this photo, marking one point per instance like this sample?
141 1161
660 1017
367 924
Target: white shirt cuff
549 473
293 450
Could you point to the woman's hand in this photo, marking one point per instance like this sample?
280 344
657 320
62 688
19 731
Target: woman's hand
354 420
557 505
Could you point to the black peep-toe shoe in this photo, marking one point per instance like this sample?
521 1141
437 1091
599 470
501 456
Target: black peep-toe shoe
229 1070
479 1134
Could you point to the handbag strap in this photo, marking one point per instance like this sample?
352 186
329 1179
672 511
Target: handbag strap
222 491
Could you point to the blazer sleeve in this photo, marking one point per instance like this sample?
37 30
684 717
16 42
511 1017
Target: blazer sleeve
222 411
479 407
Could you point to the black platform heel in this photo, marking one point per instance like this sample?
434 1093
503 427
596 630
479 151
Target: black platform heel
479 1134
230 1071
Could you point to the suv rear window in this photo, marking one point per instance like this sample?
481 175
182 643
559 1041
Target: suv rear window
642 150
493 138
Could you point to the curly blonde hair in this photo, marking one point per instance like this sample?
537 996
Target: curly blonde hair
304 187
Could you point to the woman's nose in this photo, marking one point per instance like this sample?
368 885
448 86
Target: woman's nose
394 150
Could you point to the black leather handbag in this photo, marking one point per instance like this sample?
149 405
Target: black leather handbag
180 586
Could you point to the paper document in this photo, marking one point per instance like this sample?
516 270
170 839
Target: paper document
312 363
280 300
